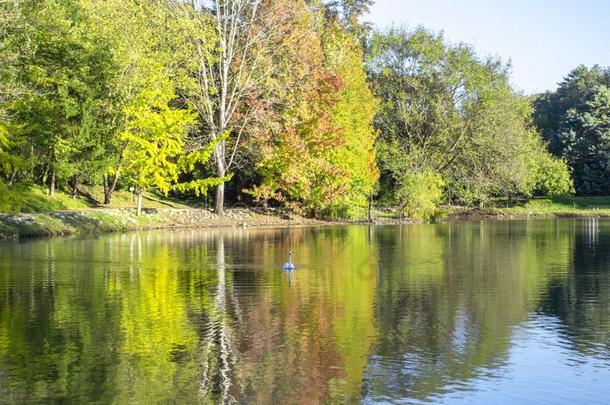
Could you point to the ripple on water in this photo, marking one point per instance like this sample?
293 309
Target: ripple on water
476 312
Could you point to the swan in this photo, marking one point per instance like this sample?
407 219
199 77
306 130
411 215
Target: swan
289 265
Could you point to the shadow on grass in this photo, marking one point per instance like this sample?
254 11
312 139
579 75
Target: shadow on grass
89 199
34 199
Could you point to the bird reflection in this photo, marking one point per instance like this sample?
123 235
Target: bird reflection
289 272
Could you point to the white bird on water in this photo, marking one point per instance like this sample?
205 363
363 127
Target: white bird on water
289 265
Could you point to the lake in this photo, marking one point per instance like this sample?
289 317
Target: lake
471 312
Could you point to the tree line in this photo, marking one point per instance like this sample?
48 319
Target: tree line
575 122
293 103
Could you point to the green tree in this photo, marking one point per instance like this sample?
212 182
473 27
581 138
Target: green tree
230 49
447 113
571 119
551 106
146 41
65 71
154 138
584 138
10 88
353 113
553 175
317 152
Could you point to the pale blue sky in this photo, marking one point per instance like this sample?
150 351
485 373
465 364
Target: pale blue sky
544 39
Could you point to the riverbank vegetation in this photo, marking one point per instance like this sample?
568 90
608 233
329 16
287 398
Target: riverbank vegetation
277 103
562 206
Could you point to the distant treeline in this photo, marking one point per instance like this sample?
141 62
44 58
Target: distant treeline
575 122
295 103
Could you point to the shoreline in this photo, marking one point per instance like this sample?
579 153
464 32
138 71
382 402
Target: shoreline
476 214
108 220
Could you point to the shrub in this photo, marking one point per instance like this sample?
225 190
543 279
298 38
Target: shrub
420 194
554 178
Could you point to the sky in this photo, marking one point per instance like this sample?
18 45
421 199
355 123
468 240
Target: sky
543 39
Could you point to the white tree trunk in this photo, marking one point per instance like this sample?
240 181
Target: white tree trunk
139 205
227 77
220 191
220 197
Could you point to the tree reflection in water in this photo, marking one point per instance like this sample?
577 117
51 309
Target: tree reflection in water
378 313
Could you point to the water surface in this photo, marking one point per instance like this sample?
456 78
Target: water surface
473 312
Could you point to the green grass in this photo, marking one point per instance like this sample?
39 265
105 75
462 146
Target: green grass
78 222
32 199
40 225
124 199
580 206
61 214
42 218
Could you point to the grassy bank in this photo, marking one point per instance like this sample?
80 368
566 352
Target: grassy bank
103 220
72 222
565 206
540 207
31 212
34 199
42 215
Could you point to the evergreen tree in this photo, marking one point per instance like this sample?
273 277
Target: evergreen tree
584 139
552 106
66 72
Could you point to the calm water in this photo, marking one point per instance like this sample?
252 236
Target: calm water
489 312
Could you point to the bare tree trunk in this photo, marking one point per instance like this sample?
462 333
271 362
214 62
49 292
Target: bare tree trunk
51 168
220 190
226 79
52 183
13 177
220 196
370 208
45 175
107 196
110 187
139 205
75 187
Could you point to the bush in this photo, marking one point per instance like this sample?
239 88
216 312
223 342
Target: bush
10 201
554 178
420 194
